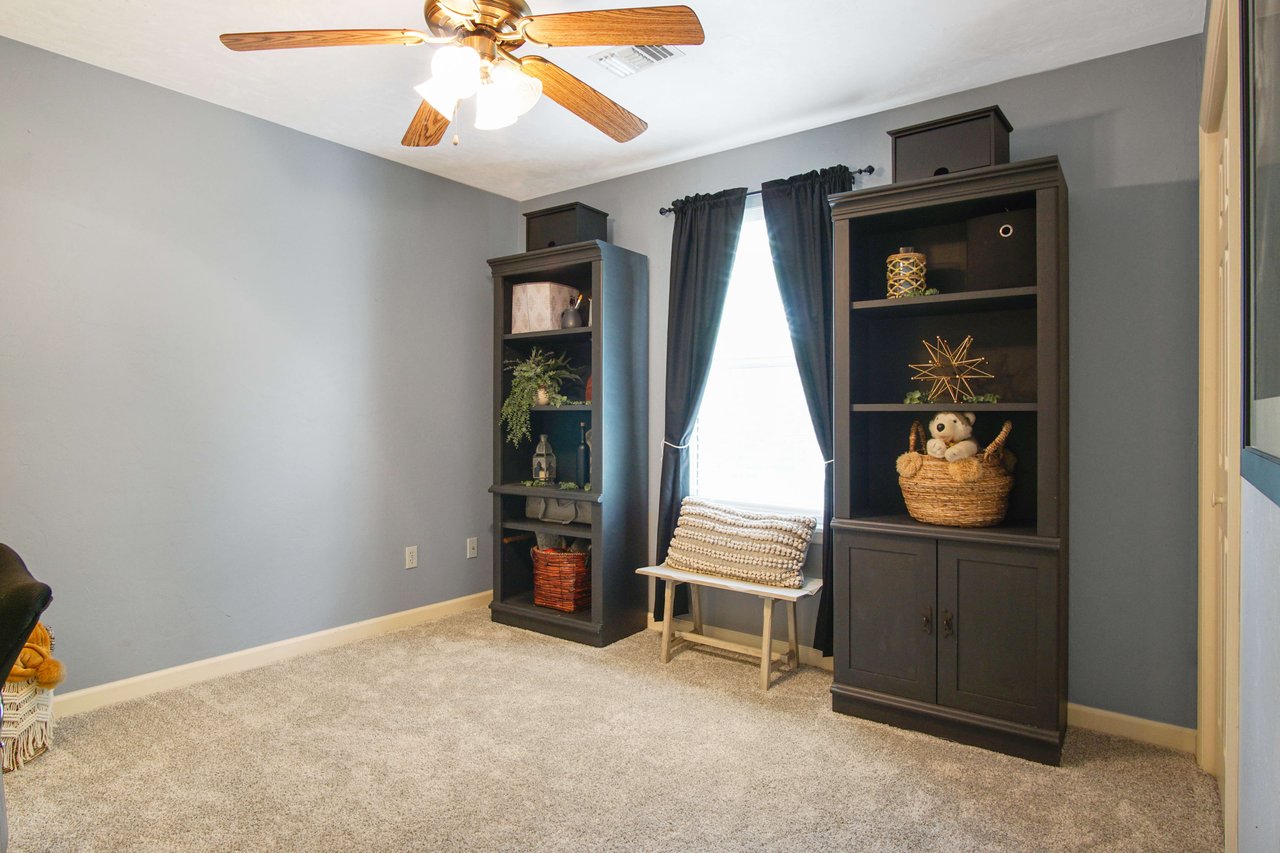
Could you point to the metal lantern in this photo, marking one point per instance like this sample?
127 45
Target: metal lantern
544 461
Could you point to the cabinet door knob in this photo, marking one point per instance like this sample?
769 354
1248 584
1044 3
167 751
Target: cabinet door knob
926 620
948 624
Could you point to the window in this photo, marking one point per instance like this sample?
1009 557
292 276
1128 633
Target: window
753 442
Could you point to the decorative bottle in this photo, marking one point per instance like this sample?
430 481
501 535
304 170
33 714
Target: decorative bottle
544 461
584 475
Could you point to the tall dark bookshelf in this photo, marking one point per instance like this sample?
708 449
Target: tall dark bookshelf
613 349
960 632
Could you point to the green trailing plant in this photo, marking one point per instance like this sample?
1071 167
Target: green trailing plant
917 398
569 486
540 370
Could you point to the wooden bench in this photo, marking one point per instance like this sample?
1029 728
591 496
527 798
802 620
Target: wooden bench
769 594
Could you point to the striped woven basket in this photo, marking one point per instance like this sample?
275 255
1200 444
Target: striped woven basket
561 579
971 492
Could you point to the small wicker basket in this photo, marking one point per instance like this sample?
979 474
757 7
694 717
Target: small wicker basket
560 579
971 492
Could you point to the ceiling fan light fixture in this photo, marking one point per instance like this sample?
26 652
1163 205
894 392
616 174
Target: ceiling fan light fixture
458 70
438 96
494 108
518 89
475 56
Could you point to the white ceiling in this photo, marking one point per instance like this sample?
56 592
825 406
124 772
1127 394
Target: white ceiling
768 68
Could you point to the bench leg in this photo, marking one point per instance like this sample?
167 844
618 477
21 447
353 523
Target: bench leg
668 619
695 599
794 651
766 645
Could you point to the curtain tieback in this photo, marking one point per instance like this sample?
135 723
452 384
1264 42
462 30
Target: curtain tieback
676 446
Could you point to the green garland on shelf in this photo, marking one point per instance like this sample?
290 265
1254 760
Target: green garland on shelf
566 486
917 398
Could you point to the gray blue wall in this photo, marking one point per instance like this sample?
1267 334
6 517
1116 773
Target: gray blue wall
1259 671
1125 130
240 370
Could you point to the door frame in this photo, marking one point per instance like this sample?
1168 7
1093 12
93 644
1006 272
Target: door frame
1221 329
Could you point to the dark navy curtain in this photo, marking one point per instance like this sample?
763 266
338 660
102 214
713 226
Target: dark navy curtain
702 251
797 216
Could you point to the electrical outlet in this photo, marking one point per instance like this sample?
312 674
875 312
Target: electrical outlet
411 557
473 548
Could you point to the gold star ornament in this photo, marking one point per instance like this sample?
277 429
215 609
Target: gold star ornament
950 369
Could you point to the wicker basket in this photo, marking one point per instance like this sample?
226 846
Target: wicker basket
560 579
971 492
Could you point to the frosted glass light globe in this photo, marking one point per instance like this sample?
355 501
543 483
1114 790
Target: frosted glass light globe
438 96
518 90
493 109
458 70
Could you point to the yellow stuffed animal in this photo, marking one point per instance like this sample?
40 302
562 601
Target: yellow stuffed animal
36 660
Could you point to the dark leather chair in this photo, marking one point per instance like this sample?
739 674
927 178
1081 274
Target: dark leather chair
22 600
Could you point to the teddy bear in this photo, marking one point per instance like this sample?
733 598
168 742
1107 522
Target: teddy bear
951 436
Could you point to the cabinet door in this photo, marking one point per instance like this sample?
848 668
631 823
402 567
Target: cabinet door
885 599
998 632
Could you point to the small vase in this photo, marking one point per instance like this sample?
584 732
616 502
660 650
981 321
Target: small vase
570 318
542 397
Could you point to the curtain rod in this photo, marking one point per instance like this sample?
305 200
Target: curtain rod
865 170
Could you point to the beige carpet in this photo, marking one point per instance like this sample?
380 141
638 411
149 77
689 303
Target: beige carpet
466 735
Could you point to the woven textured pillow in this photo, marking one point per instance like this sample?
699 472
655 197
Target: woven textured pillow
758 547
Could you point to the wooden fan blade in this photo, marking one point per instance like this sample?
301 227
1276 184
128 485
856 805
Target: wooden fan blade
654 25
319 38
582 100
426 129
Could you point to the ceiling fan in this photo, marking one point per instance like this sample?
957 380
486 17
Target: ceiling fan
479 38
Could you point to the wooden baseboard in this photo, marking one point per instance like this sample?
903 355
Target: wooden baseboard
101 695
1080 716
1134 728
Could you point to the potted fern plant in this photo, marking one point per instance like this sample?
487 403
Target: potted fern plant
535 381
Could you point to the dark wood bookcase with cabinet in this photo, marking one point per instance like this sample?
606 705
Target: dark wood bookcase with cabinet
613 350
960 632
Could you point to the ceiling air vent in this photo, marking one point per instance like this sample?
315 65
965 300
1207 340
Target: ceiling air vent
625 61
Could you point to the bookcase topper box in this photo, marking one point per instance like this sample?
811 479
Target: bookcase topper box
562 225
953 144
536 306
